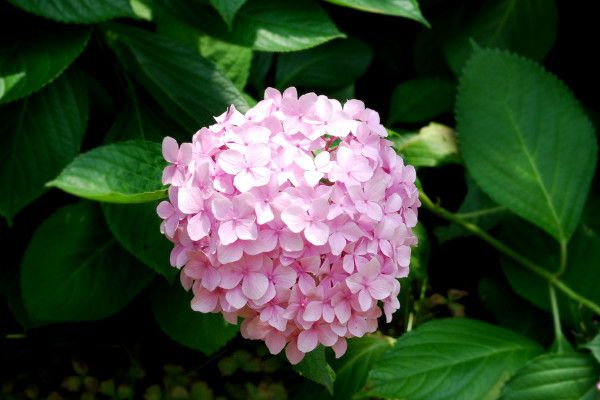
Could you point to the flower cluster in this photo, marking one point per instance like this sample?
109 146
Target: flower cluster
295 216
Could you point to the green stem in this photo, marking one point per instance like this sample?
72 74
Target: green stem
510 253
559 337
563 259
480 213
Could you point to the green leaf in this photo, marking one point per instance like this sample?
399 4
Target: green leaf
33 61
433 146
451 359
352 369
198 331
232 60
420 100
477 208
581 273
333 64
139 120
314 366
570 376
38 137
127 172
524 27
525 140
400 8
77 11
187 86
74 270
265 25
513 313
594 346
137 228
227 9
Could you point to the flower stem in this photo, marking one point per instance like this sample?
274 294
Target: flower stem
510 253
559 337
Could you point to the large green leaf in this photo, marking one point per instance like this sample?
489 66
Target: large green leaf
570 376
434 145
172 310
74 270
127 172
138 120
524 27
232 60
32 61
352 369
137 228
525 140
400 8
581 273
451 359
419 100
188 87
38 137
333 64
314 366
227 9
77 11
265 25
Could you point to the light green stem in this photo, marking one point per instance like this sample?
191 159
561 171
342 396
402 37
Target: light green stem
480 213
559 337
507 251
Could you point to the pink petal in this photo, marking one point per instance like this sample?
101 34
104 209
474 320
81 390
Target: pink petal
317 233
379 289
313 311
211 278
295 218
205 301
243 181
236 298
255 285
337 242
293 354
290 241
340 347
232 161
198 226
230 253
221 208
258 155
227 233
170 149
308 340
164 209
185 154
275 342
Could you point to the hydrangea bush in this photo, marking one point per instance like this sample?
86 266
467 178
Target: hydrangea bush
296 216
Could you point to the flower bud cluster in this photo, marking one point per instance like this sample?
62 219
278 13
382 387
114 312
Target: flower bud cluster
295 216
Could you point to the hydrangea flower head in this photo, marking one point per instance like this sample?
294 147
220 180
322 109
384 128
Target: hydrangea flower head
296 217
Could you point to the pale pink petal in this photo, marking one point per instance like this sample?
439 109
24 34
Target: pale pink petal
379 289
170 149
205 301
317 233
313 311
365 300
295 218
337 242
236 298
275 342
230 253
227 233
308 340
293 354
255 285
232 161
165 209
340 347
211 278
290 241
198 226
221 208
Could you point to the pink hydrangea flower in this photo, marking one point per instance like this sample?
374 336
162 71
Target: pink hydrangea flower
296 217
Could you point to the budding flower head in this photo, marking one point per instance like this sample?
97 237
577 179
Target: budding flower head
296 216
